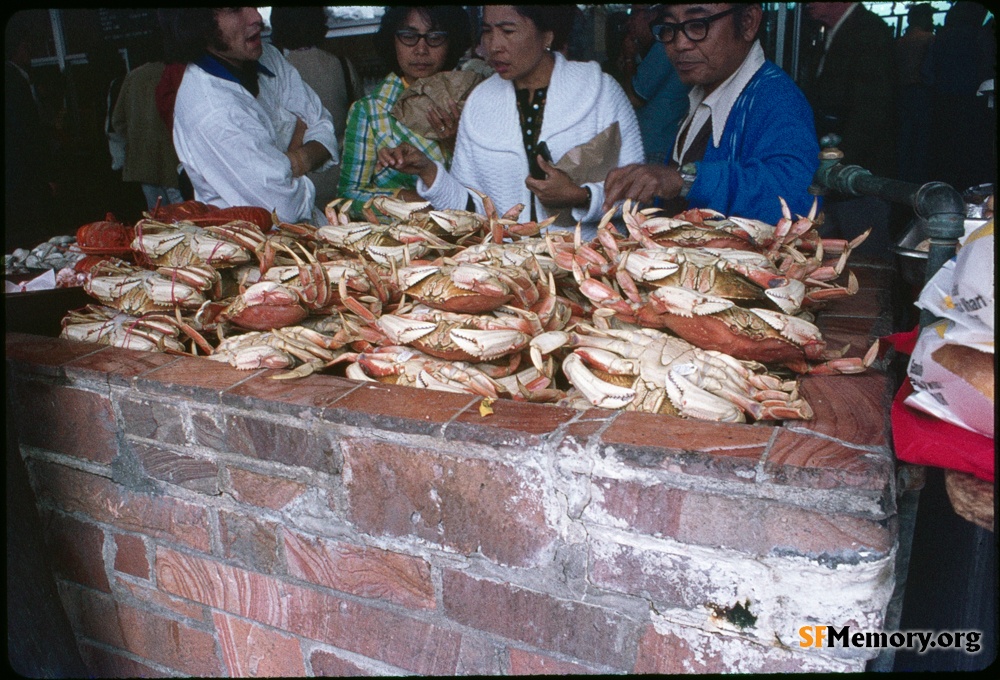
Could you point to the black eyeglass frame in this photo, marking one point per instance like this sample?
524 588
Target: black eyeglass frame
658 27
431 38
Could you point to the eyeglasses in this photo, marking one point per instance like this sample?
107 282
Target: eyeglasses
432 38
695 30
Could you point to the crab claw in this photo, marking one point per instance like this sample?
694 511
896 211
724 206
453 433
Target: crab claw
598 392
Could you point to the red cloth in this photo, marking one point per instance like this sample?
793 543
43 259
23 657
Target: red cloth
166 92
923 439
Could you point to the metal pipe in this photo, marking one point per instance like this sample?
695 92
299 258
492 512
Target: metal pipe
938 203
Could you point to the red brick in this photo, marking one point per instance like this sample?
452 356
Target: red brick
729 451
196 474
146 594
103 500
152 420
130 555
523 662
653 509
77 550
250 650
193 377
325 664
756 526
868 305
363 571
268 440
263 491
66 420
576 629
115 365
410 644
512 423
840 331
819 463
763 527
251 541
145 634
468 505
671 654
106 664
666 579
401 409
307 397
851 408
41 355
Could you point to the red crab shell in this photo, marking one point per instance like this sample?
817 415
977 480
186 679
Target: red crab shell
84 265
106 237
186 210
251 213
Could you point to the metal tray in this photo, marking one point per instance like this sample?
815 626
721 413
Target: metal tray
913 262
40 312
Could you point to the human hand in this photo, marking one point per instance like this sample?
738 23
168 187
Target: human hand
294 153
298 136
556 190
300 165
408 159
444 119
641 182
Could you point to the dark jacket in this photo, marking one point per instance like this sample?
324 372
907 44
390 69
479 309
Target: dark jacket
854 96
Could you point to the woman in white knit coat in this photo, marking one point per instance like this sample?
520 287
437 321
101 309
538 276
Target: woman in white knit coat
536 95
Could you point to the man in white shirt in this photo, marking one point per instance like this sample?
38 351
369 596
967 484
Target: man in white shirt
247 129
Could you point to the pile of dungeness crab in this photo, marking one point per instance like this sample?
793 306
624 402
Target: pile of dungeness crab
697 315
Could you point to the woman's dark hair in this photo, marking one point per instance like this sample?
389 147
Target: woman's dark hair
187 32
556 18
295 27
450 18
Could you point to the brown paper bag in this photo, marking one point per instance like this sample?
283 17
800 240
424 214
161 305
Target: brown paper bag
589 162
437 90
593 160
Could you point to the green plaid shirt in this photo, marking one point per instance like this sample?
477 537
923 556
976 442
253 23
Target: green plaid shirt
370 126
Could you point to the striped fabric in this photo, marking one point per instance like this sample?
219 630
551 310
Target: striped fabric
370 127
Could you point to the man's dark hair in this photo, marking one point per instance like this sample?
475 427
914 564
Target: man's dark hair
450 18
187 32
921 16
556 18
293 28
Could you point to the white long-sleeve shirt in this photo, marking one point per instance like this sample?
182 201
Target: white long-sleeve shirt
233 144
489 151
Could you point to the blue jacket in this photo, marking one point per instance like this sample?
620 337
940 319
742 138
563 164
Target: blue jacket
768 149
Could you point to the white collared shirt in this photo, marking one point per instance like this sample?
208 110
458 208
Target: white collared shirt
832 32
719 103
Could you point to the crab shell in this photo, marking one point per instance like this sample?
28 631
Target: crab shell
464 288
465 337
264 306
647 370
769 337
406 366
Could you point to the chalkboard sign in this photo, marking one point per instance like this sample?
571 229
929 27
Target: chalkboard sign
121 26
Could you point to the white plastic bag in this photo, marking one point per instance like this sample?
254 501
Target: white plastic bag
962 292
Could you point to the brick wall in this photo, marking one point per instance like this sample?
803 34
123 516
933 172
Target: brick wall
207 521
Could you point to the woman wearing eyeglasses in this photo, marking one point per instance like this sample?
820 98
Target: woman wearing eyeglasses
417 42
536 96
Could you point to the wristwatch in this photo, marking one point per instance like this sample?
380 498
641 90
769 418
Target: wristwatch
688 172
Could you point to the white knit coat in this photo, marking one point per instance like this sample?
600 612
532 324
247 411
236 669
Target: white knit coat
489 152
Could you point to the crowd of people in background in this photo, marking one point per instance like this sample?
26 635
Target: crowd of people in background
916 107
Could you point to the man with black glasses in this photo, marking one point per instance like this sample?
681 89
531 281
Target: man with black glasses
749 135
